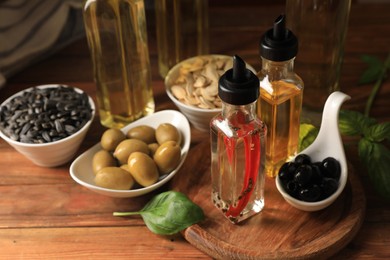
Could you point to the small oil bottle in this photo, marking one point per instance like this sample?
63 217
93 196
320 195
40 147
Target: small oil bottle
280 95
238 146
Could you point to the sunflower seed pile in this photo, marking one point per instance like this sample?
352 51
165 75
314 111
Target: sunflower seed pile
44 115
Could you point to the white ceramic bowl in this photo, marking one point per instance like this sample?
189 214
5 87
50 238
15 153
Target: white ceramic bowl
81 168
318 205
55 153
328 143
200 118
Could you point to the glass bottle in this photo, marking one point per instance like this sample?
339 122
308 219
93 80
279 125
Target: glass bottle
280 94
182 31
117 39
237 146
321 27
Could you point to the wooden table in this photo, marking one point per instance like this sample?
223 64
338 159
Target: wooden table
45 214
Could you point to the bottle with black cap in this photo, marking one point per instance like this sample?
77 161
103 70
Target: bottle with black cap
238 146
280 101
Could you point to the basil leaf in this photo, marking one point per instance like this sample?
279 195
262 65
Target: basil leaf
377 159
372 61
354 123
307 135
378 132
168 213
365 150
373 72
370 75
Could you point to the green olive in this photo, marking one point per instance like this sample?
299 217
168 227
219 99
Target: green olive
111 138
143 169
102 159
114 178
143 132
128 146
167 132
153 148
125 167
167 157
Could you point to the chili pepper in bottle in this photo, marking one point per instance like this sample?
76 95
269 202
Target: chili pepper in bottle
280 101
238 146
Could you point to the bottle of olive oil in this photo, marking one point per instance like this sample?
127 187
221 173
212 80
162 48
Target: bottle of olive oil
281 92
182 28
117 39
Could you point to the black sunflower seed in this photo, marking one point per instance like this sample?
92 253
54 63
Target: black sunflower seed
44 115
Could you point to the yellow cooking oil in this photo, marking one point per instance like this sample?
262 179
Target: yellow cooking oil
116 34
281 91
280 111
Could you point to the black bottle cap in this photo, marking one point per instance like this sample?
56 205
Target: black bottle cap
279 43
239 85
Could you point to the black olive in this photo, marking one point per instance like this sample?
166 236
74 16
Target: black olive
286 172
331 168
302 159
303 175
310 181
317 176
328 186
310 194
292 188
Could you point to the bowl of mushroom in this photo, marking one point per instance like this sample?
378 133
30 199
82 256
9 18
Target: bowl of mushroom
192 85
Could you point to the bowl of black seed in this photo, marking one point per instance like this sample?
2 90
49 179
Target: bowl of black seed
47 123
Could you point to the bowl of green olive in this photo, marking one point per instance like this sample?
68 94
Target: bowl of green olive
136 159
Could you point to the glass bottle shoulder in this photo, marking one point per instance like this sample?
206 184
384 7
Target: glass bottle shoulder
230 129
290 77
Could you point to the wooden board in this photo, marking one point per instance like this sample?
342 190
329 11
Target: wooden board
279 231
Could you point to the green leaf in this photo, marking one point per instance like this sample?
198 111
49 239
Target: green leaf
365 150
378 132
168 213
307 134
374 70
370 75
377 159
371 60
354 123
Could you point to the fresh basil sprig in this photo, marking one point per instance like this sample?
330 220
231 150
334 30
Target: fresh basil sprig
372 152
376 72
374 136
168 213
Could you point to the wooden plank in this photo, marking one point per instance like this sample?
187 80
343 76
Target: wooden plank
93 243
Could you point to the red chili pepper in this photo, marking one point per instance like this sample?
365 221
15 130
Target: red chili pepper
252 163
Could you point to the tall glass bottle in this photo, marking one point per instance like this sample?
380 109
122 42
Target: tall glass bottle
237 146
116 33
280 95
321 27
182 31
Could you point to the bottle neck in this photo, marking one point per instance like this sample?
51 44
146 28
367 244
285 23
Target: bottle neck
277 69
239 114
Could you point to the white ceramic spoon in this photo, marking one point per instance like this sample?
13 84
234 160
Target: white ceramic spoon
327 144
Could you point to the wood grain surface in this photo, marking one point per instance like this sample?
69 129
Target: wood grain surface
44 214
279 231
